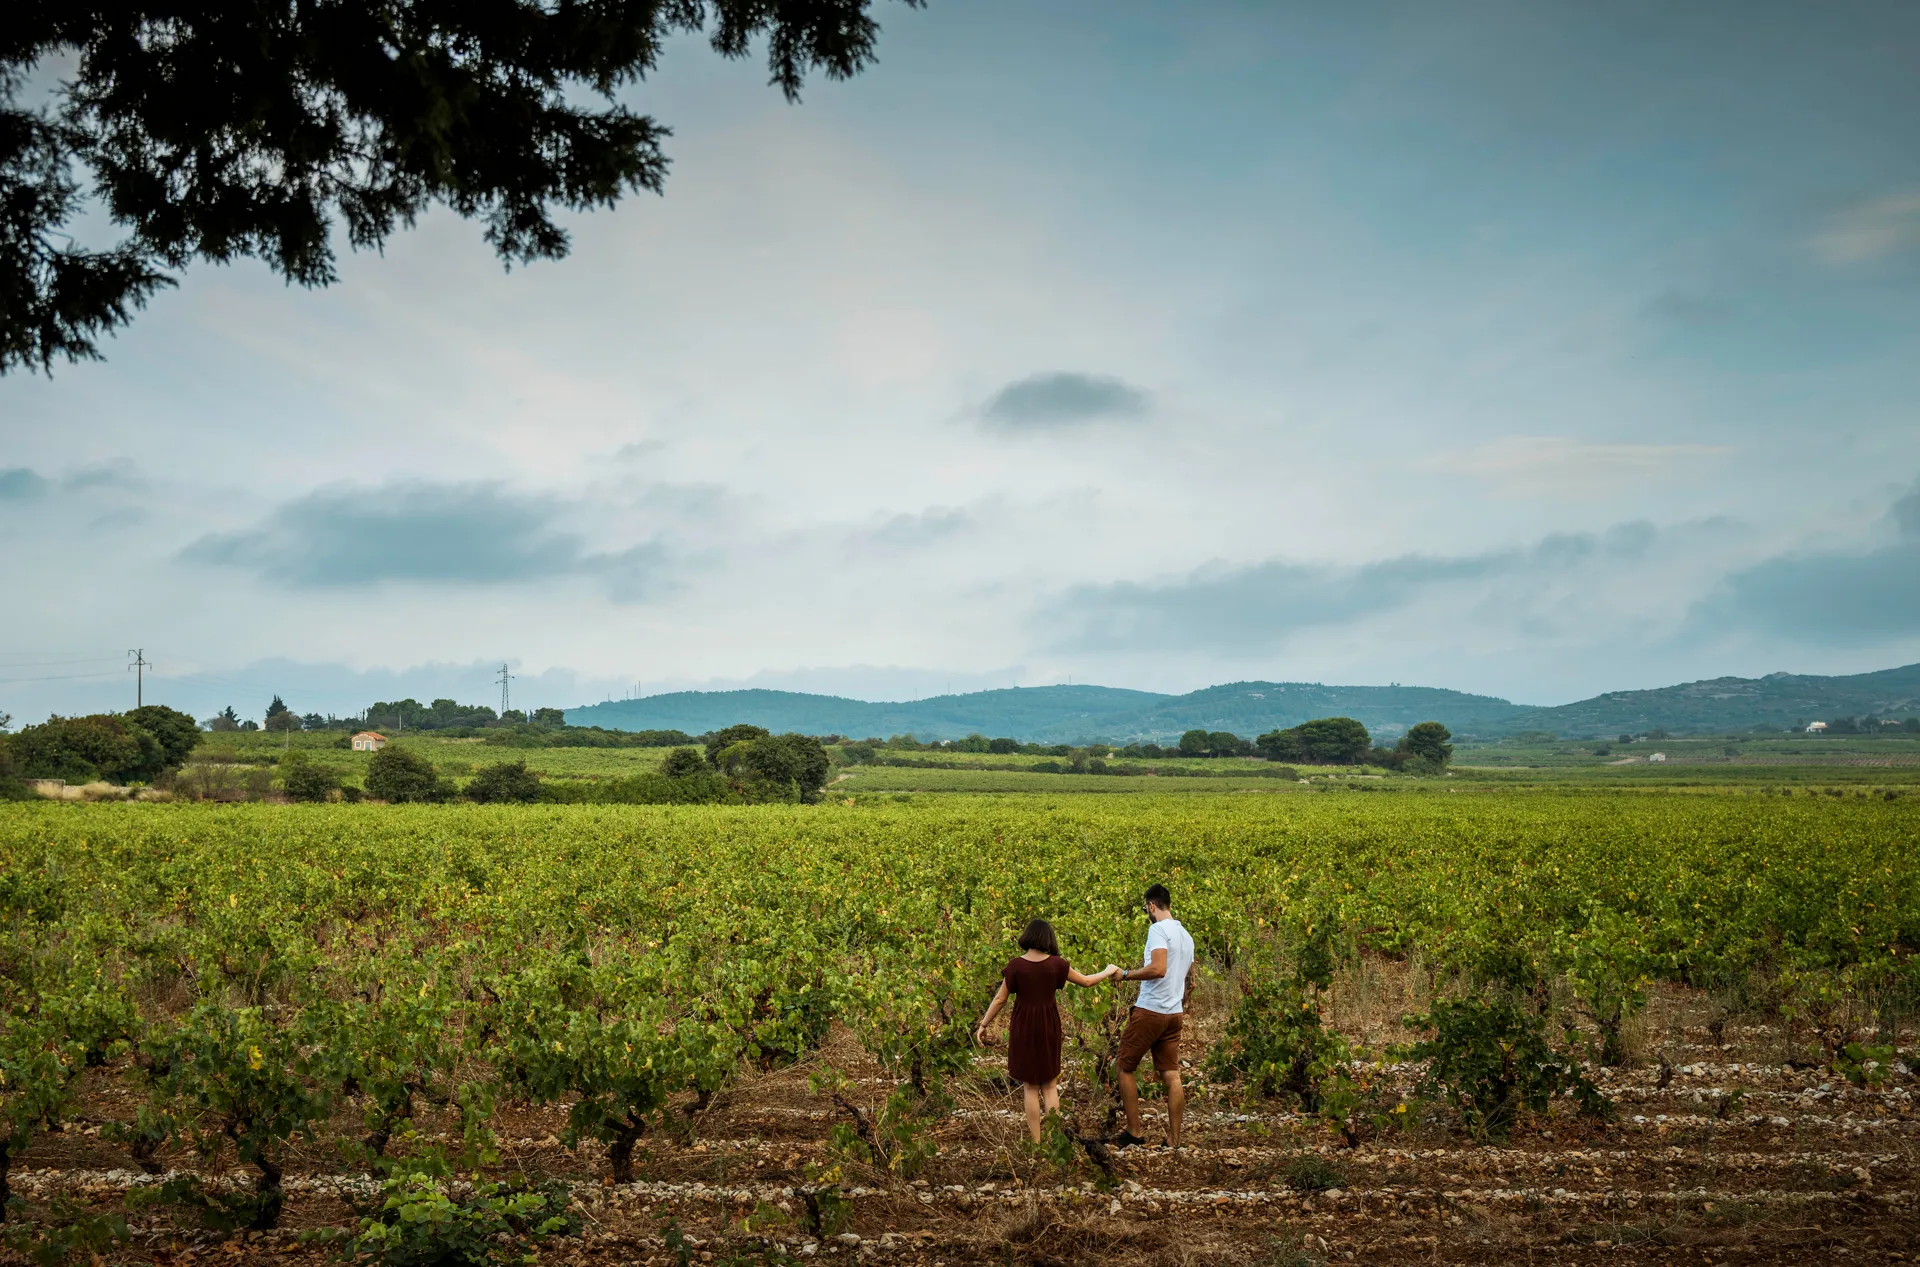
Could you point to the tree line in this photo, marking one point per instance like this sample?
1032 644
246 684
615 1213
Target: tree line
1425 747
738 765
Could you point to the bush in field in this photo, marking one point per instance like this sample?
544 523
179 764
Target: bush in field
509 781
235 1079
176 733
1277 1044
304 780
771 767
1324 741
1491 1060
11 786
400 775
682 762
721 740
419 1223
82 749
1217 743
1427 741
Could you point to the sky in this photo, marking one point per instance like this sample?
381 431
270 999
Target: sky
1528 348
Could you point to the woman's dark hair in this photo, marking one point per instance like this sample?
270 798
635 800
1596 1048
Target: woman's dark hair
1039 936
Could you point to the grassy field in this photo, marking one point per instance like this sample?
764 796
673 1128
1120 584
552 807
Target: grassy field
1850 764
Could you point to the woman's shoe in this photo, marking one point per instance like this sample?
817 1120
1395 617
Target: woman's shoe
1127 1139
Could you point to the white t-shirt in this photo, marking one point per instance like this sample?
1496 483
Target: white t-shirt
1165 994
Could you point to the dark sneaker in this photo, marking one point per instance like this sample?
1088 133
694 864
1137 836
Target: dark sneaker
1126 1139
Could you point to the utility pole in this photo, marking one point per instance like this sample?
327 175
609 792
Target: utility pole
138 666
505 678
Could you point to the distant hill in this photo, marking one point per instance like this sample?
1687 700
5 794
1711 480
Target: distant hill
1027 713
1734 703
1056 714
1074 714
1252 708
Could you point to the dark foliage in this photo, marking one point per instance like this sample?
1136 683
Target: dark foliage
682 762
1324 741
796 761
12 788
304 780
79 749
509 781
1490 1058
398 774
721 740
175 732
1217 743
1427 743
226 131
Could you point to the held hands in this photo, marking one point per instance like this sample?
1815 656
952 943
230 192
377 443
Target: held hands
1111 972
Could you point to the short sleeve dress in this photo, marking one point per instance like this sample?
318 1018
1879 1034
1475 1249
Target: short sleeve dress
1033 1041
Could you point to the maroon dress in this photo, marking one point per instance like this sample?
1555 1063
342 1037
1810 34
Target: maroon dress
1033 1041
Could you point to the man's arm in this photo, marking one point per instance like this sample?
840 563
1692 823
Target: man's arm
1155 969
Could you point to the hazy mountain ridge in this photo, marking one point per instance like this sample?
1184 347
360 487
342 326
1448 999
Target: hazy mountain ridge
1732 703
1023 712
1251 708
1055 714
1069 714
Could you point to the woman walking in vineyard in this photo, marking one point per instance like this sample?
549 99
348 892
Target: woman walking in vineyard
1034 978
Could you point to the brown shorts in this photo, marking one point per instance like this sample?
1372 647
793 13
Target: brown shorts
1150 1031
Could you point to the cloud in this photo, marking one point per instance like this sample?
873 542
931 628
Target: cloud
1048 401
23 484
18 484
1871 230
119 473
1858 597
1222 608
474 534
907 531
1562 464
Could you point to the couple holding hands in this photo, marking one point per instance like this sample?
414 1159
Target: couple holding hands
1034 979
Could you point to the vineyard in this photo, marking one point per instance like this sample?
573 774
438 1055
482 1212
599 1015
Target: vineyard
1445 1025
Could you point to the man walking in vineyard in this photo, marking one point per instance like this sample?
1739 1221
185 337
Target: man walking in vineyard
1166 977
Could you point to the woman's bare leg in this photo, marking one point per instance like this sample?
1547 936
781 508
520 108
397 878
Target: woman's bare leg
1050 1097
1033 1110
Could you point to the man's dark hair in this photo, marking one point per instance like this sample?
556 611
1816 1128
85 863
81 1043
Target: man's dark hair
1158 895
1039 936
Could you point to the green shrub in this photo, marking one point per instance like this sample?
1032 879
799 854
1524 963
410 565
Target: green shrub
82 749
682 762
74 1233
419 1224
400 775
1490 1059
509 781
1310 1172
233 1078
1277 1044
304 780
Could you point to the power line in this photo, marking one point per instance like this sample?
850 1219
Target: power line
57 677
45 664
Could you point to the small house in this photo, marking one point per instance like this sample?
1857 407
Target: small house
369 741
1815 727
1658 756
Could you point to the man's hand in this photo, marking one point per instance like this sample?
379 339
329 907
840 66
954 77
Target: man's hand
1111 970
